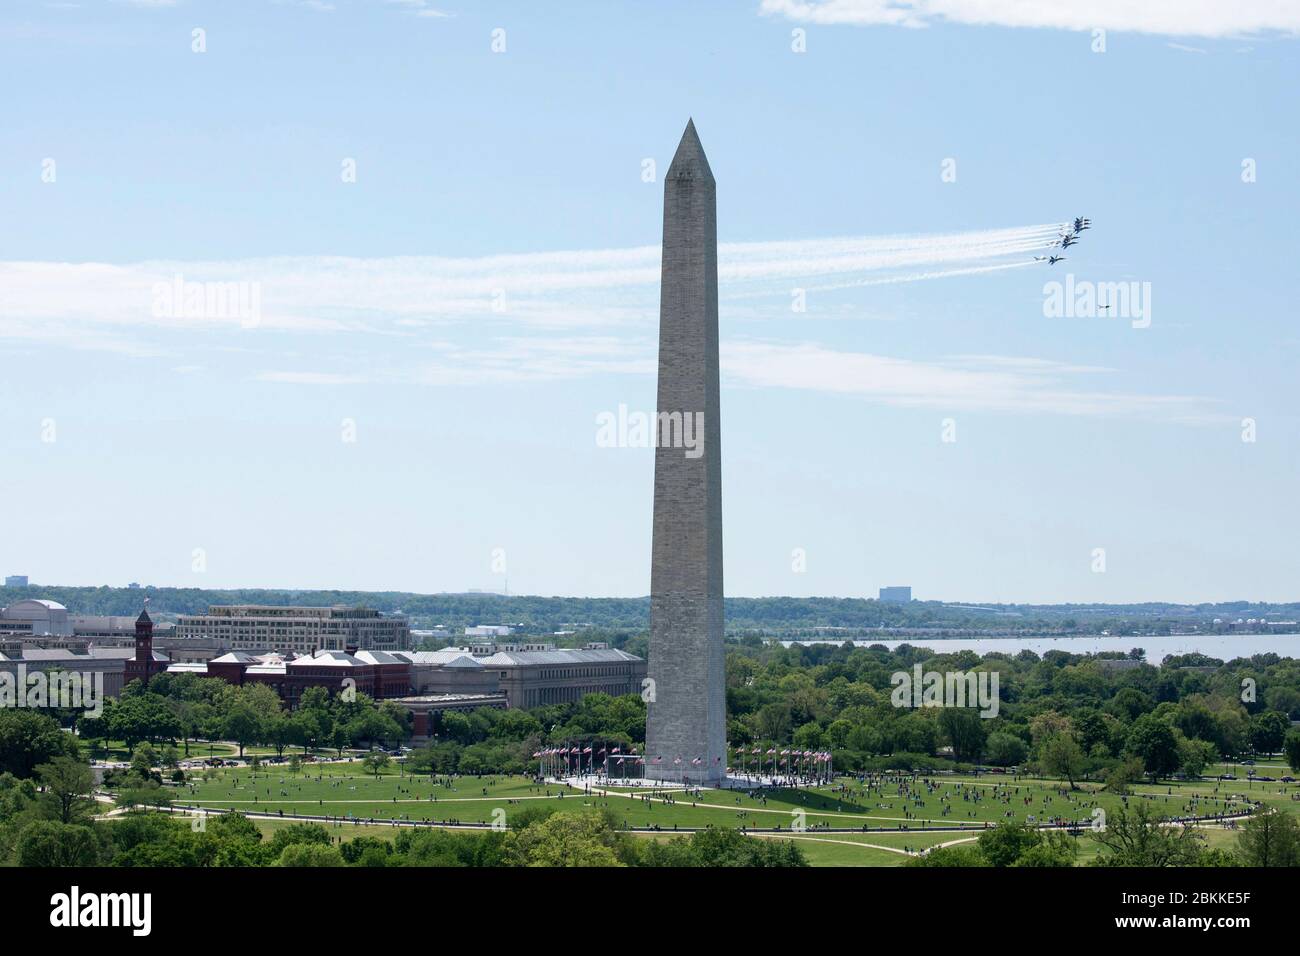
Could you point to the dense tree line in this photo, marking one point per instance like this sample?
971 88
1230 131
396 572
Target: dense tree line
183 707
1070 716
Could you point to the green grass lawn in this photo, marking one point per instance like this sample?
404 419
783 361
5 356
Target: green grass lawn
891 812
829 850
345 791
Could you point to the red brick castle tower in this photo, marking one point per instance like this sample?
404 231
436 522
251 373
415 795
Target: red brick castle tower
146 662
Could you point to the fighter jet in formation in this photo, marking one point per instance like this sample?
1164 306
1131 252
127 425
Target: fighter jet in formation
1068 237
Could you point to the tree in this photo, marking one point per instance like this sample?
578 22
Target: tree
242 725
143 760
68 783
1195 755
1269 838
48 843
296 833
717 847
564 839
311 726
1130 703
279 731
28 738
1055 849
964 729
1060 755
1291 747
456 726
1135 836
1005 750
1267 731
1152 740
946 856
310 854
1004 844
374 763
94 728
1123 775
774 722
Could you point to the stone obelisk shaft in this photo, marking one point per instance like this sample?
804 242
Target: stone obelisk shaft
686 720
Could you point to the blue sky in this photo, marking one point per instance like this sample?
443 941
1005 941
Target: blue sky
486 287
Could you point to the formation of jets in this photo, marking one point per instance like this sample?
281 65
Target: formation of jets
1068 237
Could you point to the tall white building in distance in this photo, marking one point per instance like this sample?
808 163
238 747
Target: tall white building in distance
897 595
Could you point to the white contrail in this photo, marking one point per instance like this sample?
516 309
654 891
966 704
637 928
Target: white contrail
751 263
390 295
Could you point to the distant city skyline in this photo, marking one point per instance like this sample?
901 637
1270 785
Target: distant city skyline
443 271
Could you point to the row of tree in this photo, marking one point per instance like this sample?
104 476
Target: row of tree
1134 837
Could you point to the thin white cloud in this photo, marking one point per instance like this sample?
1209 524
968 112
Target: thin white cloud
421 8
987 383
310 378
1203 18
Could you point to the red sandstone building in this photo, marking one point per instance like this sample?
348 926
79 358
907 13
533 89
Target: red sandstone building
147 661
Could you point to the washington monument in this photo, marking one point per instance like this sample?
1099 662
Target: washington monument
687 714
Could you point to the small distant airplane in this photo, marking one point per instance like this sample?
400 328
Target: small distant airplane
1081 224
1067 241
1050 260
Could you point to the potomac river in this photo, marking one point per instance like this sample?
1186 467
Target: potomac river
1223 646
